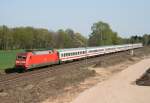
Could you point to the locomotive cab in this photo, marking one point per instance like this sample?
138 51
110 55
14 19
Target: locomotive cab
21 61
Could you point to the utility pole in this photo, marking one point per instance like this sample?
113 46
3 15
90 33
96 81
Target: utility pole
86 54
132 50
101 37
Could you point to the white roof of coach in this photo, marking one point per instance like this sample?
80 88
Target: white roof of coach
84 48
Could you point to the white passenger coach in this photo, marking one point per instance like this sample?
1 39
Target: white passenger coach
78 53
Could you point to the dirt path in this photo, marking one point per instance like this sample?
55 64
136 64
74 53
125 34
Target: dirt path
120 88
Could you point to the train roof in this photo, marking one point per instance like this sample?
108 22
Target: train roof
41 49
84 48
70 49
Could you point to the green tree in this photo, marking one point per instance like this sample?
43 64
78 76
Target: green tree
102 34
79 40
146 39
5 37
63 39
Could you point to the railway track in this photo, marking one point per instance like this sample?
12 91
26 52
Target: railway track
38 74
44 72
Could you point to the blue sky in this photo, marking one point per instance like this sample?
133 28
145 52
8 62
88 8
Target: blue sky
127 17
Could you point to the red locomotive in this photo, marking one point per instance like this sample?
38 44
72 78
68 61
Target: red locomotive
28 60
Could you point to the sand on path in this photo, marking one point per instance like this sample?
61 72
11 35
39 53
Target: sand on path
120 88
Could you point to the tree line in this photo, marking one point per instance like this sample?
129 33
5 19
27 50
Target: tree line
34 38
102 34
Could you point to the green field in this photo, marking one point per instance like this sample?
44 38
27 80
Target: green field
7 58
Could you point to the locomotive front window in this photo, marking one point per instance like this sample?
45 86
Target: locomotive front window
21 57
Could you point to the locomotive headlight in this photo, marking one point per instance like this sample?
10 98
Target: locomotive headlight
17 61
22 62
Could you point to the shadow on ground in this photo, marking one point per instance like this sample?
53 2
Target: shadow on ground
11 70
21 70
145 79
